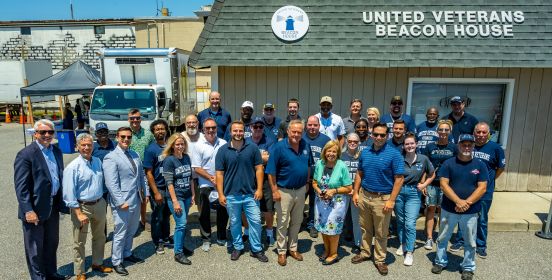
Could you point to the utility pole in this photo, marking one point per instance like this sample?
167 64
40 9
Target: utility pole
71 8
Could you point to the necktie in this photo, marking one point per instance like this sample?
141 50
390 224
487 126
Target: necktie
131 161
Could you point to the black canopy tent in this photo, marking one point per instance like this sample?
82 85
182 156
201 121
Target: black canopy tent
78 78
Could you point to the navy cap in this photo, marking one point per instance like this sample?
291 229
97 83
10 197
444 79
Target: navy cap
257 120
101 125
268 106
456 99
466 137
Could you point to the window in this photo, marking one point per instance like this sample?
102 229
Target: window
25 30
489 100
99 30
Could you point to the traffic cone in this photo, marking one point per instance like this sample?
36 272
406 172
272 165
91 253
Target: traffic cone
21 117
8 116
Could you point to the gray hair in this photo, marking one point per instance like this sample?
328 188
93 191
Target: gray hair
43 122
84 136
352 134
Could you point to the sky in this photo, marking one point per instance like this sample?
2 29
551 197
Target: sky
94 9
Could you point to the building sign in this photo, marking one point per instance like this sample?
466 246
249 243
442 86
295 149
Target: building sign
290 23
443 24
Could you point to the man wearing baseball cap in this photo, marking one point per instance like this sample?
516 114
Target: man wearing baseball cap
103 144
463 181
246 115
462 122
395 114
271 122
331 124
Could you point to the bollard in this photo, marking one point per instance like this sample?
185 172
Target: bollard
546 233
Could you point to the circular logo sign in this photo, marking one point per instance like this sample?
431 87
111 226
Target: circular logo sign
290 23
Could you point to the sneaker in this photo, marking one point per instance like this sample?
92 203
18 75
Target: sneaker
271 241
160 249
236 255
408 259
429 244
181 258
206 246
169 242
260 256
221 242
313 232
467 275
481 252
399 251
437 269
455 247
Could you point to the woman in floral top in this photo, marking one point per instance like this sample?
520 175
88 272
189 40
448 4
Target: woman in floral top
332 184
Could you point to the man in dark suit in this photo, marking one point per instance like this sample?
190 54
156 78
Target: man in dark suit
38 171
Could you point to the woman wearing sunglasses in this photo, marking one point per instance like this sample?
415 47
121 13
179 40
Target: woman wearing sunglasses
418 175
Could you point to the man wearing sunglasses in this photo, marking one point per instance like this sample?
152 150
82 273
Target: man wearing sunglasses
38 173
103 144
379 179
396 113
271 121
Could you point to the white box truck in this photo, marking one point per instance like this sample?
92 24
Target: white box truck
158 82
15 74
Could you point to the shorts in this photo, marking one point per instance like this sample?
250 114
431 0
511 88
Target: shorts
434 196
267 203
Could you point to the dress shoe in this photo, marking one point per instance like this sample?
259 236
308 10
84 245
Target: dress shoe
57 276
120 269
359 258
236 254
282 259
260 256
102 268
382 268
296 255
81 277
134 259
326 262
181 258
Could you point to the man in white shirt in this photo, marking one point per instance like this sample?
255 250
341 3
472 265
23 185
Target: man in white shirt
331 124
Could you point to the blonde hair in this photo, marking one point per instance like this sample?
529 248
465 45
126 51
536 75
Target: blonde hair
375 110
169 149
329 145
447 122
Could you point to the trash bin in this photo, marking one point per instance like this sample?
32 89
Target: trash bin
58 125
66 141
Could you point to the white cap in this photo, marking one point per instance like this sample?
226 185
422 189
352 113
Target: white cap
247 104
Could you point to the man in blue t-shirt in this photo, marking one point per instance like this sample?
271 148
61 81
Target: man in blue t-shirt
217 113
395 113
397 141
239 178
426 132
153 165
103 144
271 121
316 141
379 179
462 122
463 181
492 155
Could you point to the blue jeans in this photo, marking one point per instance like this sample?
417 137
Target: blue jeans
468 224
407 208
482 226
235 205
180 221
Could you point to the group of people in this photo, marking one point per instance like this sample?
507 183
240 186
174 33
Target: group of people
355 171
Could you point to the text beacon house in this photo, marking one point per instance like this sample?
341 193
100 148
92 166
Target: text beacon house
496 53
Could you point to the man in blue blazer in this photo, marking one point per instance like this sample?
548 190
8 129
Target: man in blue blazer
124 179
38 171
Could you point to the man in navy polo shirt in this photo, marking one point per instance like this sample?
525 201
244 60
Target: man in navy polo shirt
288 169
239 177
462 122
463 181
492 155
395 113
316 140
380 174
427 130
217 113
271 121
397 141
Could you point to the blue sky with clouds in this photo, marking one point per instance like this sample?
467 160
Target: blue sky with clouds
94 9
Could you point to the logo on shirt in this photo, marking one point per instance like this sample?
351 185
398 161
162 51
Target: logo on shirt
475 171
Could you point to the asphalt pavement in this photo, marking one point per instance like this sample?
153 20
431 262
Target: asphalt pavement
512 255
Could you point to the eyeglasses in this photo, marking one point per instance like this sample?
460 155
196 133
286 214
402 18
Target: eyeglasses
43 132
210 127
443 129
258 127
125 136
380 135
102 132
353 141
134 118
397 103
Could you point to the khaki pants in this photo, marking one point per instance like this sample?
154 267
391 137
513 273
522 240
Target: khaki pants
374 224
289 216
97 217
